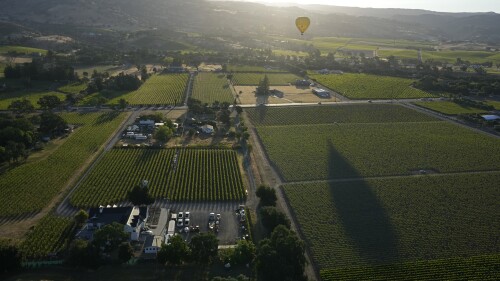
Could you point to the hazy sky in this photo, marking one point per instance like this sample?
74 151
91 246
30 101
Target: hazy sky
435 5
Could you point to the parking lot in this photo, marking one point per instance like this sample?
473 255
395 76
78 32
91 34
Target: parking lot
229 227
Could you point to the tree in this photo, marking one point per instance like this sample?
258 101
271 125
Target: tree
22 106
238 109
176 252
244 252
204 247
281 257
163 134
272 217
10 257
81 217
267 195
125 252
224 116
263 88
109 237
51 123
139 195
49 102
122 104
83 253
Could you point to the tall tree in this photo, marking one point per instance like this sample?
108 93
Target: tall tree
22 106
204 247
122 103
10 257
175 252
263 88
125 252
139 195
49 102
272 217
282 257
267 195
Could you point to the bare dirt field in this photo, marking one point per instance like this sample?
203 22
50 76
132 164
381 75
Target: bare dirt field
290 94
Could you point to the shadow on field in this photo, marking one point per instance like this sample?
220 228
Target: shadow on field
261 112
361 214
146 155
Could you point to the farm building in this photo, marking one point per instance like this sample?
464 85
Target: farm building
490 117
152 244
302 83
147 122
132 218
321 93
207 129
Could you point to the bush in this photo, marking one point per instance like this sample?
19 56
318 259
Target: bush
267 195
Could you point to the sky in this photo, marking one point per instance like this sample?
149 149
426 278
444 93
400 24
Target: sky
434 5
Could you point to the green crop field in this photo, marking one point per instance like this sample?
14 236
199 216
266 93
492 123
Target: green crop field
479 268
382 141
495 104
158 89
384 221
50 236
444 55
192 174
21 50
251 68
450 108
74 88
253 79
30 187
211 87
7 98
366 86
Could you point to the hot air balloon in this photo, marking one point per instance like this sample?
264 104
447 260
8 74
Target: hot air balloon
302 24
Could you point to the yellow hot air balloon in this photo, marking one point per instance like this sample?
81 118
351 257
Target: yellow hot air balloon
302 24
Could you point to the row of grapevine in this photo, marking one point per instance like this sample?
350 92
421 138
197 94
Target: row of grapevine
384 221
29 187
326 151
183 174
49 236
253 79
358 113
158 89
480 268
367 86
211 87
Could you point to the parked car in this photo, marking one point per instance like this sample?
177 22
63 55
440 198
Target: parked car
180 216
186 215
180 223
186 222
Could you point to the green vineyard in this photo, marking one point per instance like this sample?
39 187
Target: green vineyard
366 86
478 268
29 187
252 68
211 87
253 79
49 236
383 221
158 89
450 108
360 113
177 174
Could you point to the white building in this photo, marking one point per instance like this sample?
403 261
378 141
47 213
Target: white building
132 218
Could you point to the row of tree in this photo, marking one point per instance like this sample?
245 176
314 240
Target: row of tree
39 70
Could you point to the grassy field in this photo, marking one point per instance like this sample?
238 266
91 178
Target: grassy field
381 141
158 89
253 79
384 221
50 236
21 50
450 108
211 87
366 86
251 68
495 104
7 98
30 187
192 174
74 88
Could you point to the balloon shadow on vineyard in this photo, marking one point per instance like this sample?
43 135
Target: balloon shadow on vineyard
361 214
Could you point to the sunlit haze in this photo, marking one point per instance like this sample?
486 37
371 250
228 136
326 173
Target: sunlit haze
441 5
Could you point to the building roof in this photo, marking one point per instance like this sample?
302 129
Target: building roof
123 215
490 117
